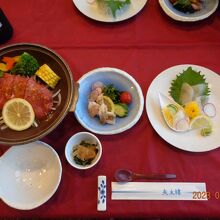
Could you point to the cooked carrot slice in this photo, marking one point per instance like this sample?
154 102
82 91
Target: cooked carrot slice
10 61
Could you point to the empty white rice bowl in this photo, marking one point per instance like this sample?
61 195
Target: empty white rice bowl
29 175
123 82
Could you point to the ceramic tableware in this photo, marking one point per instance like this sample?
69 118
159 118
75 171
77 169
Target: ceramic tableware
123 82
76 140
29 175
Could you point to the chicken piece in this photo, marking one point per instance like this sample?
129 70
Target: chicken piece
103 113
97 84
99 99
105 116
94 94
111 118
99 90
93 108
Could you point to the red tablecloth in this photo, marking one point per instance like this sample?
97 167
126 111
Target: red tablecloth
143 46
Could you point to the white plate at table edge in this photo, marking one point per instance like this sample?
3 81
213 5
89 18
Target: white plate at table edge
192 140
179 17
92 11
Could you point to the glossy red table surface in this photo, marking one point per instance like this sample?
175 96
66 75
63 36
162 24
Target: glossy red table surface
143 46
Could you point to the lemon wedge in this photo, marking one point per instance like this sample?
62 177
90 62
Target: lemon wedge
109 103
18 114
201 121
168 116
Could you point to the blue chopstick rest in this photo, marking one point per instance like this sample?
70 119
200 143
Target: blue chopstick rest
101 203
6 29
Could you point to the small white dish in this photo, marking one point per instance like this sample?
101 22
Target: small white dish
209 7
29 175
75 140
123 82
190 141
93 11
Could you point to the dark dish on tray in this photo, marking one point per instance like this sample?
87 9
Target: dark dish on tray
36 91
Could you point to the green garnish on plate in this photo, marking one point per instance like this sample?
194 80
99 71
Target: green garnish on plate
114 5
190 77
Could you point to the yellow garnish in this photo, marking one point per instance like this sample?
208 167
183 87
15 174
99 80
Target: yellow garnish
192 109
3 67
18 114
109 103
201 121
48 75
168 116
16 58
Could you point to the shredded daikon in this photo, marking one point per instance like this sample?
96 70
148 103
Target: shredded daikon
56 93
57 102
4 127
35 124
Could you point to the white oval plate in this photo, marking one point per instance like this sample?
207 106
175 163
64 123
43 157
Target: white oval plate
191 140
94 12
123 82
29 175
208 9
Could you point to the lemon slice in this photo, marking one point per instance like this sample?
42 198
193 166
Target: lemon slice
18 114
168 116
201 121
109 103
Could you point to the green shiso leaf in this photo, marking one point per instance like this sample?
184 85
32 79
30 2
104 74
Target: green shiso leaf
115 5
191 77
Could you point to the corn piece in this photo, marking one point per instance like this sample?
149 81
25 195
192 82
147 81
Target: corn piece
48 75
3 67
